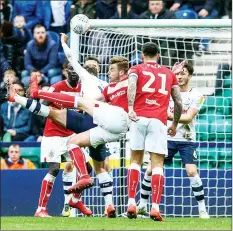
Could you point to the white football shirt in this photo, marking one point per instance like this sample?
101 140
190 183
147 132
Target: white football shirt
92 86
190 99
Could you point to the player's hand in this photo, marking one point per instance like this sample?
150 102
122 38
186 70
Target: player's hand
170 116
172 130
203 13
12 132
132 115
178 67
175 7
64 38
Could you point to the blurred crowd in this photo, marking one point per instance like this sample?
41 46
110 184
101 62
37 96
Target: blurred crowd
30 44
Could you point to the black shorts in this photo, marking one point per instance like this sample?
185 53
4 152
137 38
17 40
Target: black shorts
78 123
187 152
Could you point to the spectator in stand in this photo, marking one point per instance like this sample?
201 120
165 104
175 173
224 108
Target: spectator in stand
15 161
42 80
157 10
22 33
106 8
57 15
206 9
11 46
4 65
139 6
17 120
5 11
9 75
31 10
130 13
42 55
87 7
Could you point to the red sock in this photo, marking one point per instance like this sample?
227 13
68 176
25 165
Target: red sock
157 182
58 98
132 180
78 159
46 189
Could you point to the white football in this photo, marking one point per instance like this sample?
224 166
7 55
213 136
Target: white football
80 24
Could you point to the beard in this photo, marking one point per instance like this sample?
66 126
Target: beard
41 44
92 70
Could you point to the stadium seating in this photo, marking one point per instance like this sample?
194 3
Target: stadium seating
225 158
31 153
186 14
54 36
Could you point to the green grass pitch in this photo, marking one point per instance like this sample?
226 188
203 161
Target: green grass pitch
98 223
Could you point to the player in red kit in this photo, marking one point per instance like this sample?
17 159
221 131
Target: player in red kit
112 120
149 89
53 145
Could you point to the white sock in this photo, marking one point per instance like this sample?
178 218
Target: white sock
33 106
198 191
131 201
21 100
67 179
155 206
76 99
145 190
105 182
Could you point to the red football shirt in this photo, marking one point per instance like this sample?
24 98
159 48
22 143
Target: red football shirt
52 128
153 90
116 94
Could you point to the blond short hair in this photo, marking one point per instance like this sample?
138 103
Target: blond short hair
9 72
122 63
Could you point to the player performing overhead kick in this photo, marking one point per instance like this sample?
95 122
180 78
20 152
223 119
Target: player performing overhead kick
112 120
149 90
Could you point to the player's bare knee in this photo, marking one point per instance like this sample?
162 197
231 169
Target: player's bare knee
157 160
73 140
68 167
191 171
137 156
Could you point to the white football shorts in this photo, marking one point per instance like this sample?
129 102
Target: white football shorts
113 122
148 134
54 147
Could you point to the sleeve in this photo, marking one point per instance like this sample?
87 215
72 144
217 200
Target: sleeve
47 13
27 60
31 165
198 101
83 74
133 72
53 57
26 128
104 92
209 5
38 16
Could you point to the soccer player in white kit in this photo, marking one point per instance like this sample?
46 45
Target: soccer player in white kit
183 142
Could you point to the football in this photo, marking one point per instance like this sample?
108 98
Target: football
80 24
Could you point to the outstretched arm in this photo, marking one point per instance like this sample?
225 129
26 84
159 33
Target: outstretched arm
82 72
